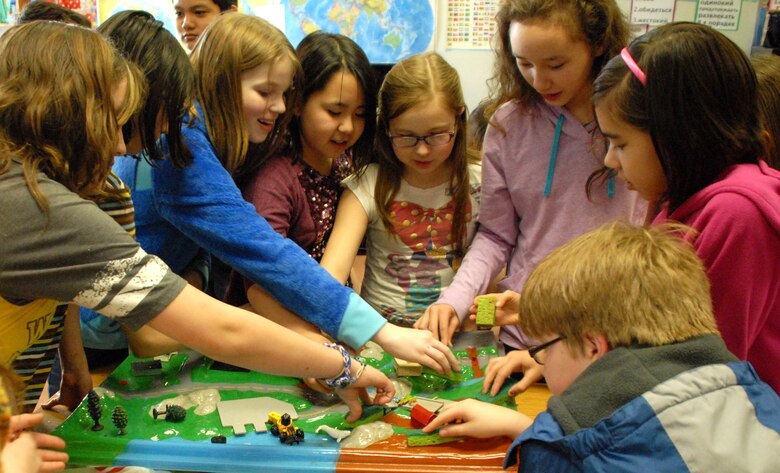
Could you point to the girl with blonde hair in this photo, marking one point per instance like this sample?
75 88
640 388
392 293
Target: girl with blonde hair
247 75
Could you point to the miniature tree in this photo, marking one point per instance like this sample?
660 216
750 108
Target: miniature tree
95 409
173 413
119 417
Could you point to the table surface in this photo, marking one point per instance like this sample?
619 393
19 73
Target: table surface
317 452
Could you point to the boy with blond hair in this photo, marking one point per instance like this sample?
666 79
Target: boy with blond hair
641 379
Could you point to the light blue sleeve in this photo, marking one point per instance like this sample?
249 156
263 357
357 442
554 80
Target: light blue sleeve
203 202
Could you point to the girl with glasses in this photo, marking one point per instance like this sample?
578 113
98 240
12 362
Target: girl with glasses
246 77
417 203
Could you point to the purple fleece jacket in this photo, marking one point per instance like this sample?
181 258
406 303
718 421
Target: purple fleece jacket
738 220
518 225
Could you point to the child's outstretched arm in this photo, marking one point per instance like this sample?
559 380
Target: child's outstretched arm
499 369
263 303
76 381
409 344
478 419
441 320
241 338
345 238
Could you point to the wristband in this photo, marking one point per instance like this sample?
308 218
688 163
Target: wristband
345 378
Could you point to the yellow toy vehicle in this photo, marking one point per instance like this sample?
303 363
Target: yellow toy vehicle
281 425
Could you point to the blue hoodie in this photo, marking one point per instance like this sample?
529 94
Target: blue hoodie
200 206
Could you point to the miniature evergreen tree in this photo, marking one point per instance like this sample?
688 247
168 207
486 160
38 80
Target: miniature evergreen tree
175 413
172 412
95 409
119 417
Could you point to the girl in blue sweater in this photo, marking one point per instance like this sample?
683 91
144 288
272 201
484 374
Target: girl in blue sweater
245 71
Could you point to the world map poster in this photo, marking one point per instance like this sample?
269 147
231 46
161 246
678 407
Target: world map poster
387 30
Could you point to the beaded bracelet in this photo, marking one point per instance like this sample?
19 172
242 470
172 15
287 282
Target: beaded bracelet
345 378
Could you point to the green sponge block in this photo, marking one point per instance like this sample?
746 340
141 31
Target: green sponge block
433 439
486 312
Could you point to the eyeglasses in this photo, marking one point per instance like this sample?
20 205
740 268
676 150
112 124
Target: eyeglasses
535 351
410 141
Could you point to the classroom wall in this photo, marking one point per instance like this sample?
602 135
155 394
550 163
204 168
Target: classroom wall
475 67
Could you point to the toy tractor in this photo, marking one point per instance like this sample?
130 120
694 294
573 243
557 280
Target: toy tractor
282 426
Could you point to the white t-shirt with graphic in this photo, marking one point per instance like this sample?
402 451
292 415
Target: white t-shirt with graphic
407 269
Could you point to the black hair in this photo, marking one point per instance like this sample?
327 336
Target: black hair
322 55
698 104
145 42
225 5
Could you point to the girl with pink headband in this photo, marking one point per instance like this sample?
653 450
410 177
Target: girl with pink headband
679 111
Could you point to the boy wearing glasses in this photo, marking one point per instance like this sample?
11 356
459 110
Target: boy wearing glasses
641 379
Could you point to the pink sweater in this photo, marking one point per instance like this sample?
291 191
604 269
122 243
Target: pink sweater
738 220
518 225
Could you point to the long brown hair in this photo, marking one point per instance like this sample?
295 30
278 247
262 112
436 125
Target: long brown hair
414 81
232 44
600 23
56 110
698 104
767 67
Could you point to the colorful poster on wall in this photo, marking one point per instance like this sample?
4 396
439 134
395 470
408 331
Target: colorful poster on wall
270 10
387 31
471 23
87 8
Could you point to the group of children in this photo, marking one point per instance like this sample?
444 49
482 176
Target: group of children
241 150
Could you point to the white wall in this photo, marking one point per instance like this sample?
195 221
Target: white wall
476 66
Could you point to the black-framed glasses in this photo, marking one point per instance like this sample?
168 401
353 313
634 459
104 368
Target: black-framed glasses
534 351
410 141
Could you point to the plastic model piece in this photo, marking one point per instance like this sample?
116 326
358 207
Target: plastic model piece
146 368
435 439
282 426
336 434
421 416
253 411
95 409
119 418
407 368
486 312
172 413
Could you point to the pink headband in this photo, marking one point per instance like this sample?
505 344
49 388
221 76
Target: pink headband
633 66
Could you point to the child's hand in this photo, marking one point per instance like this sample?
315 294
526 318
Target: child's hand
499 369
30 452
441 320
356 393
72 391
418 346
507 308
478 419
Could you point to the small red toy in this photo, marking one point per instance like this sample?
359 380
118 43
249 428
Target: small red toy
421 416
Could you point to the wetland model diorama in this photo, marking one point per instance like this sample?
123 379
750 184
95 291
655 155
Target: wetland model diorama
186 412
